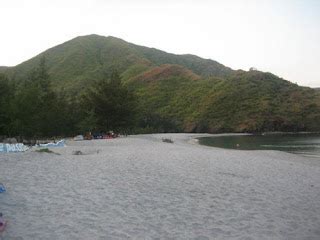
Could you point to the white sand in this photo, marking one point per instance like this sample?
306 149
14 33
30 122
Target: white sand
141 188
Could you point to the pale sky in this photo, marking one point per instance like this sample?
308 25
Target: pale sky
278 36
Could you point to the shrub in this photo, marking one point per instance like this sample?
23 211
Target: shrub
45 150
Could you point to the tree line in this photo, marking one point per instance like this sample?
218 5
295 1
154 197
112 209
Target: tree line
32 109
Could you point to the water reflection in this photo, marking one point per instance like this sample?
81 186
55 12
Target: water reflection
305 144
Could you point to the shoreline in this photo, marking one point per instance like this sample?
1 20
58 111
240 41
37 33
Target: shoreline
250 146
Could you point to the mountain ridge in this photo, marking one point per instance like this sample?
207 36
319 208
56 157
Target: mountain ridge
133 53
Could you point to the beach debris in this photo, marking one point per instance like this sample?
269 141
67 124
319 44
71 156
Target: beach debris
88 136
18 147
167 140
78 138
77 152
2 188
60 143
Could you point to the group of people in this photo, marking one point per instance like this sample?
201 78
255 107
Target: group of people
97 135
100 135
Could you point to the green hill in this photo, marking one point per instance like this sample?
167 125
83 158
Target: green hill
3 69
75 63
181 92
243 102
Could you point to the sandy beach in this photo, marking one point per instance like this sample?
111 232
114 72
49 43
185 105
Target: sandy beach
139 187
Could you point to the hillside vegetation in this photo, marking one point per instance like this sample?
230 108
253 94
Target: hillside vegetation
74 64
176 93
3 69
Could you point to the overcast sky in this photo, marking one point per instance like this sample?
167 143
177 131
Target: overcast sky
279 36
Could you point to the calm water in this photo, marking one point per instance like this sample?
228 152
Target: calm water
305 144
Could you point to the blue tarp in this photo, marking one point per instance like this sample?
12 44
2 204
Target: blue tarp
18 147
2 188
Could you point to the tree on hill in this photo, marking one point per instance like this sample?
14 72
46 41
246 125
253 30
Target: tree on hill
6 95
36 109
110 105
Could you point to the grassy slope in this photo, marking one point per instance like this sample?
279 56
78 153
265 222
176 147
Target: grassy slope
258 101
74 64
3 69
246 101
194 94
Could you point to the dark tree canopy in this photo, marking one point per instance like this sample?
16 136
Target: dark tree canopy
32 109
6 94
111 104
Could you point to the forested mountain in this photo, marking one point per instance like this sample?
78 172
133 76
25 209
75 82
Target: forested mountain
180 93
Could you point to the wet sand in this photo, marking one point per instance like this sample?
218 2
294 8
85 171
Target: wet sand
141 188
